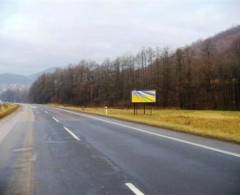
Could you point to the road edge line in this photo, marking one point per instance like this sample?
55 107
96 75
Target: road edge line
156 134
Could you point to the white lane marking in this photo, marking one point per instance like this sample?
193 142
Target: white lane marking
55 119
72 134
134 189
158 134
46 112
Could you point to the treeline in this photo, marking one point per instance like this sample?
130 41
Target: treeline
191 78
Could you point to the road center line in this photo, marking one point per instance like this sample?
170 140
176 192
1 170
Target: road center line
72 134
134 189
55 119
157 134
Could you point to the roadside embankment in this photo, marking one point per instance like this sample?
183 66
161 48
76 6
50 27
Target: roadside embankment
6 109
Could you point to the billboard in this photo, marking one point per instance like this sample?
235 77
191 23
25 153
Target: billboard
143 96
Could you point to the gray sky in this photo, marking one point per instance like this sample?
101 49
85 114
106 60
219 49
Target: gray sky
38 34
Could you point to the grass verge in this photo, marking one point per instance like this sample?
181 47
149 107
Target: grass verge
6 109
223 125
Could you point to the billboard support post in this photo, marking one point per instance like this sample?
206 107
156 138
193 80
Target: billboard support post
134 107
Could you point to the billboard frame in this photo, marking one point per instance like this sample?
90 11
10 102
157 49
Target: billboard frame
144 103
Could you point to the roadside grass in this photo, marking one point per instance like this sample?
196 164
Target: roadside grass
6 109
223 125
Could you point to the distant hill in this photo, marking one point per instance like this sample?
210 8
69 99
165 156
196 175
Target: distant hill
221 41
224 39
16 81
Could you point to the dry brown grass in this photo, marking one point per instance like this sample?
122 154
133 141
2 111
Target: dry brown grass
224 125
6 109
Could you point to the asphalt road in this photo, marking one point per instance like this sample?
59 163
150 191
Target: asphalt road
51 151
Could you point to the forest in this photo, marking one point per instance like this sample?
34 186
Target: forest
189 78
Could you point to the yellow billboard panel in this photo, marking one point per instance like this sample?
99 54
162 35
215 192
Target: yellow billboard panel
144 96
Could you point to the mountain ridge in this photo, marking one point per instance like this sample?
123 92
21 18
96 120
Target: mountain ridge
221 41
18 81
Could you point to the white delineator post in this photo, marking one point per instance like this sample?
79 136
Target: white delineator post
106 110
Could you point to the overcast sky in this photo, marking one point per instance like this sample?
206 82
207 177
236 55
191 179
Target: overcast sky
38 34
